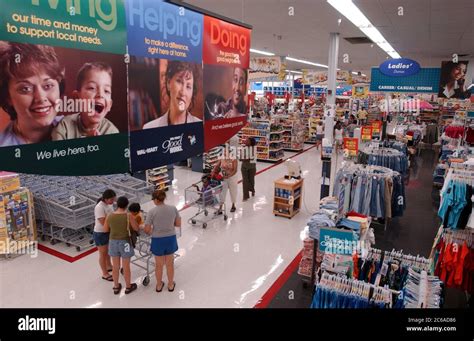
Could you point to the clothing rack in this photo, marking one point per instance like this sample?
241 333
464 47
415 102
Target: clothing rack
417 262
459 236
422 291
349 290
370 200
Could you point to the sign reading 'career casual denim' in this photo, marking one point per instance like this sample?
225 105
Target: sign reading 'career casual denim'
158 29
426 80
399 67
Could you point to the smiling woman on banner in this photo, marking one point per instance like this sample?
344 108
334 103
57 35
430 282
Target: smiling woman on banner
181 88
31 83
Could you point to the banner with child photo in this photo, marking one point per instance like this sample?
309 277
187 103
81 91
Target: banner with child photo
63 110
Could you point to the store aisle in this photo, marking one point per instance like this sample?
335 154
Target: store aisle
228 264
413 233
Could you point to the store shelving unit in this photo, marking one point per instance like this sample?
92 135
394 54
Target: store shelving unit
268 137
161 177
287 197
312 123
17 220
293 134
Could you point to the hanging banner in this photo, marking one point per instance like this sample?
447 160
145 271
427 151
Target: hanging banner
86 25
360 92
376 128
452 83
262 67
321 77
157 29
399 67
79 119
165 83
226 44
226 60
358 79
163 146
225 103
426 80
166 104
366 133
351 146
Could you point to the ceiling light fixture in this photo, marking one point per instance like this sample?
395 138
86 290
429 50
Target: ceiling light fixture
262 52
354 14
306 62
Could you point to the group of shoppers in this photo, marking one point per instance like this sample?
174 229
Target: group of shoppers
115 231
115 234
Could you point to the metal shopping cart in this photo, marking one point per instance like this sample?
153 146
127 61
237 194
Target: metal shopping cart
207 201
65 216
143 258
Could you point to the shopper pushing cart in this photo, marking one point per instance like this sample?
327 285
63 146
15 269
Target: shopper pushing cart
205 196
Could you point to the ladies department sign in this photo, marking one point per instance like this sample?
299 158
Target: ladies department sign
426 80
399 67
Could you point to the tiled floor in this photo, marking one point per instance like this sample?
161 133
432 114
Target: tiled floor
229 264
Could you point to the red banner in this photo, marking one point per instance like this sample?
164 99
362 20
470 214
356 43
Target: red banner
376 127
225 44
366 133
219 131
351 145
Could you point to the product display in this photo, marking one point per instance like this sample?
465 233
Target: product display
268 137
161 177
288 197
17 220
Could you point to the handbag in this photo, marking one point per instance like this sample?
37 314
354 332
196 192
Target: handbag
132 234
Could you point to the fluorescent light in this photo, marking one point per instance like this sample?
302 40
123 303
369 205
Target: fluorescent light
293 71
353 13
355 73
262 52
306 62
364 75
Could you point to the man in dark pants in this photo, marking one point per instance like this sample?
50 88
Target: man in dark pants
249 168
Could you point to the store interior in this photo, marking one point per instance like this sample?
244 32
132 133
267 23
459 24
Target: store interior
363 196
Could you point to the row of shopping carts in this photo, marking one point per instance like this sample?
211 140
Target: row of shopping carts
64 206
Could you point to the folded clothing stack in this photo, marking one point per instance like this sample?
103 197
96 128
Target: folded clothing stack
318 220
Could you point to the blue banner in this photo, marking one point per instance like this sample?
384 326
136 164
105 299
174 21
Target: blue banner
158 29
399 67
426 80
150 148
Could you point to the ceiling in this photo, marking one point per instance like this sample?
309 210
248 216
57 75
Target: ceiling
429 30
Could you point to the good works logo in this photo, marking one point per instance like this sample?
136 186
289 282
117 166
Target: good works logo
175 144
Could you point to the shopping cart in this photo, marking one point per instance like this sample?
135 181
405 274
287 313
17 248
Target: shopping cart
143 258
206 201
65 216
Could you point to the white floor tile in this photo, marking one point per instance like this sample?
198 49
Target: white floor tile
229 264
